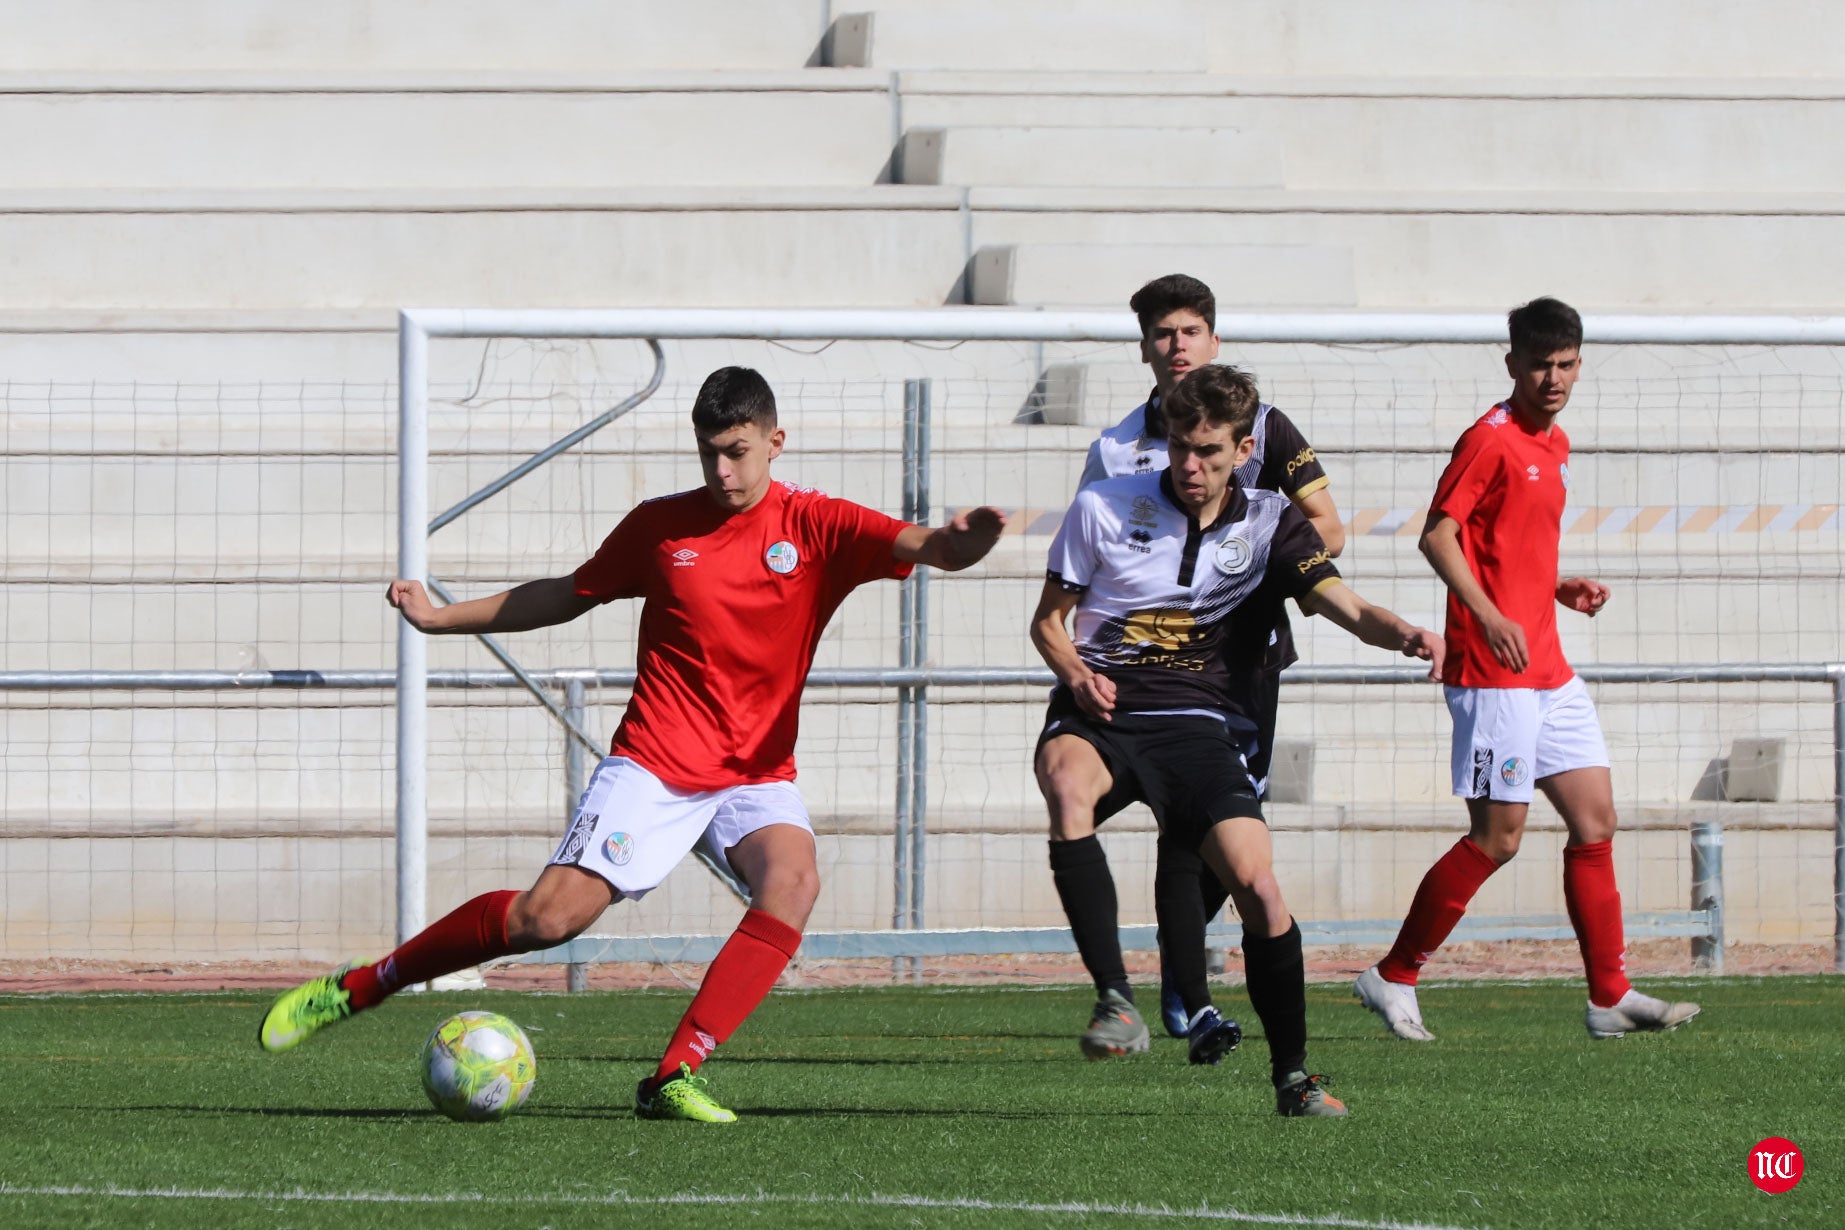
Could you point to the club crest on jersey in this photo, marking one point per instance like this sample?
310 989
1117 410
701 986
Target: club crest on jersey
781 558
1233 555
1143 512
1564 471
618 849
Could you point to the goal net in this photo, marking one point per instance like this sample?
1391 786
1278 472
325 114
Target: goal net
205 761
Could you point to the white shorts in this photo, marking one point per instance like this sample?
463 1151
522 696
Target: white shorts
632 829
1505 739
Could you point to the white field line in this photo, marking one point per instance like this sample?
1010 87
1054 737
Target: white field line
623 1199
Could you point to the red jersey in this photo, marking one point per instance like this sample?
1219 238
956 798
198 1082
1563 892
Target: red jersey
735 604
1505 486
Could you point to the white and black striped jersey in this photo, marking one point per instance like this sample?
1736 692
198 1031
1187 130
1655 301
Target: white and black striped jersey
1282 461
1174 612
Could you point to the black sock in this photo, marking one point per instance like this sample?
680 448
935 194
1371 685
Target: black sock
1278 991
1178 903
1087 890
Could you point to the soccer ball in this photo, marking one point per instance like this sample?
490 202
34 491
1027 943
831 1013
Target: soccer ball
477 1067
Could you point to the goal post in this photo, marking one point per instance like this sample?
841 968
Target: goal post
1335 337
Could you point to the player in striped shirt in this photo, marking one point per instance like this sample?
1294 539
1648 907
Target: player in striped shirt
1178 324
1159 598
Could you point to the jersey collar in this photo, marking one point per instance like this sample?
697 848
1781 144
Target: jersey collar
1236 505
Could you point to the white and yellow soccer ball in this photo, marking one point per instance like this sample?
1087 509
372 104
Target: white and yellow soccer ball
478 1067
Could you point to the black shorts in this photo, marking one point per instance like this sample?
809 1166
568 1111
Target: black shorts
1188 769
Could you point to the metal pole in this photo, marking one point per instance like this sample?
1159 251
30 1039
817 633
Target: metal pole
919 696
1838 815
1707 892
576 973
412 648
902 881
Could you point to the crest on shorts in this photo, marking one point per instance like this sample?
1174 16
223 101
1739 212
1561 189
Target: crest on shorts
618 849
1514 772
577 839
782 558
1233 555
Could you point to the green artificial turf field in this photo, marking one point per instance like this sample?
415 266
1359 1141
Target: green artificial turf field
949 1107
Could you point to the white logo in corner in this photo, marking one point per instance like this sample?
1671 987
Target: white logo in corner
1233 555
782 558
1531 472
684 557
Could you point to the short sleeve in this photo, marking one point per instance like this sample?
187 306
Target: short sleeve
1073 558
1094 468
860 544
1473 471
618 568
1298 562
1289 464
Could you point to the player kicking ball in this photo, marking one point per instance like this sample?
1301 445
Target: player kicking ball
738 580
1175 579
1523 721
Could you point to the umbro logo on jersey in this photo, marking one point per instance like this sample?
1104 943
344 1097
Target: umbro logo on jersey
1532 473
684 557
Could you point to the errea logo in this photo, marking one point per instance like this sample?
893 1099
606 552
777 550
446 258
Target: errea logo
684 557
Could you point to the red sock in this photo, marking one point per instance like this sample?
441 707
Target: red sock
473 933
1441 899
740 978
1595 911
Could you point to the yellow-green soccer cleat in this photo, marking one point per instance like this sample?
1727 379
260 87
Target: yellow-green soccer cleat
298 1013
679 1097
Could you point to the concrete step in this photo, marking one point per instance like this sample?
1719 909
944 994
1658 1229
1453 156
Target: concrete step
346 251
1236 133
1636 38
911 245
767 131
410 36
1065 274
1081 157
1655 253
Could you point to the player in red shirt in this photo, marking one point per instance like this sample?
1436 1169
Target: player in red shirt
738 579
1522 719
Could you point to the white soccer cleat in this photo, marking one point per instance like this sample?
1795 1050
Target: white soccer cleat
1394 1002
1637 1013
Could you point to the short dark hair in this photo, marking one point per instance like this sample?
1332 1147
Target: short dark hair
1163 296
1218 394
731 397
1543 327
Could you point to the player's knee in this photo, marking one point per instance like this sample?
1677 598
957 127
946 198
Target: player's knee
1501 847
534 924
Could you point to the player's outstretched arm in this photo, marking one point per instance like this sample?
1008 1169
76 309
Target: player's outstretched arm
536 604
1441 546
960 544
1374 625
1582 594
1050 635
